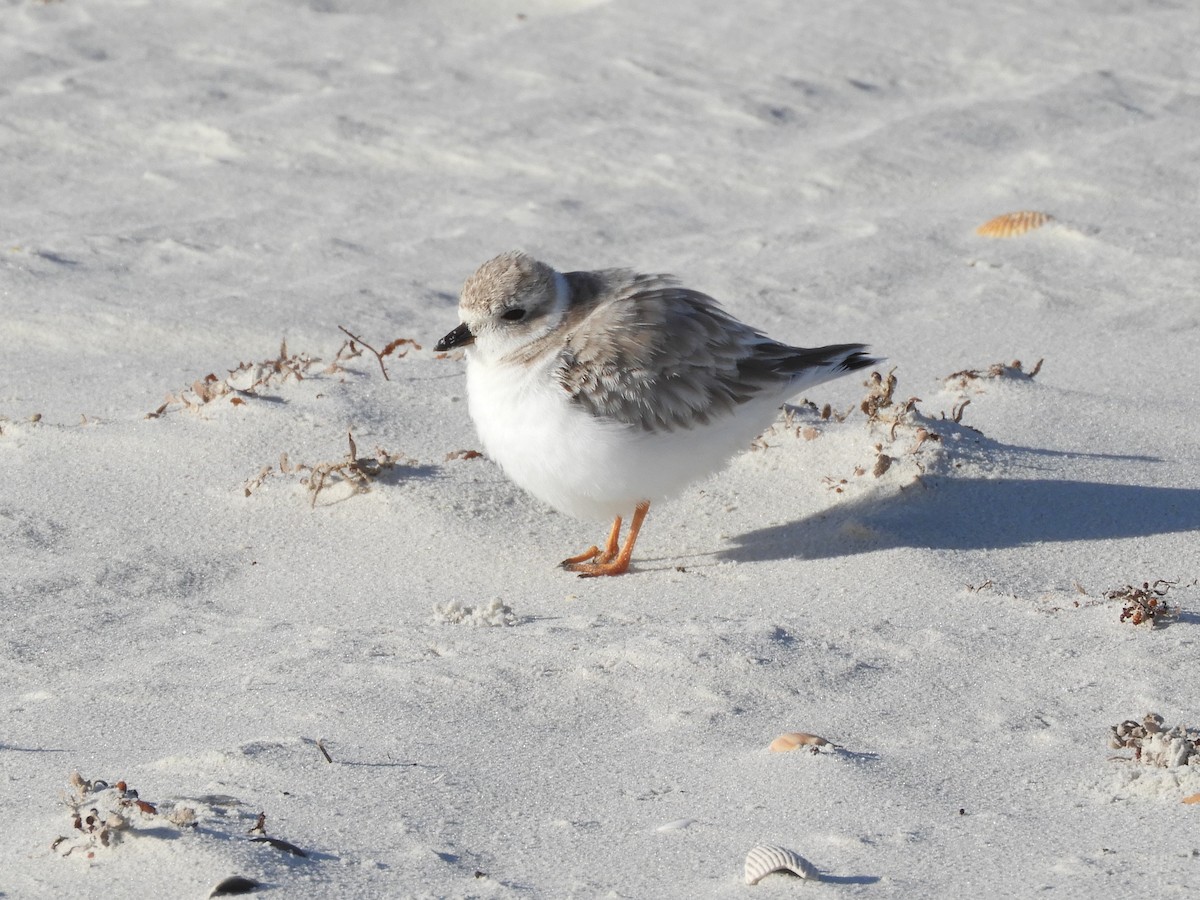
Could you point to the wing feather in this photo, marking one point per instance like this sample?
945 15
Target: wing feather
645 352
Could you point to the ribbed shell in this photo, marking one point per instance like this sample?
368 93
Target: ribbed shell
765 859
1013 223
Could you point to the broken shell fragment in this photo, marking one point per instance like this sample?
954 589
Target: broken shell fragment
1013 223
794 740
765 859
1193 799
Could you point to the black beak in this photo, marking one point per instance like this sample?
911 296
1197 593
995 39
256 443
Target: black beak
459 337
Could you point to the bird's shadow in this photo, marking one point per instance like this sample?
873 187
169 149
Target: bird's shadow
976 514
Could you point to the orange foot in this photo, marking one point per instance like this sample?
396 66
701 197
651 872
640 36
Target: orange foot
593 554
614 560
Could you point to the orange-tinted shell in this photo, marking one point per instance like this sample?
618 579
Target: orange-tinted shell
1013 223
794 740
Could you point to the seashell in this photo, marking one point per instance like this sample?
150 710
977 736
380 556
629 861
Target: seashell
794 740
1013 223
765 859
676 825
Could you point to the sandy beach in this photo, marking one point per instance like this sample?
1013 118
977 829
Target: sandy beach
323 645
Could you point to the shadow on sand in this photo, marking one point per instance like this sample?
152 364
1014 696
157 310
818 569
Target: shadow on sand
977 514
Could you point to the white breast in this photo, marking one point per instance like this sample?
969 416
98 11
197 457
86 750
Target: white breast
583 466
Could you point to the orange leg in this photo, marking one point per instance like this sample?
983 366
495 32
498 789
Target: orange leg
613 547
593 554
618 562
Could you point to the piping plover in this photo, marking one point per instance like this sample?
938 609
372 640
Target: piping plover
602 392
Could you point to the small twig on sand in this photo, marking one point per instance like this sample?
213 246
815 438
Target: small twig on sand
378 355
386 351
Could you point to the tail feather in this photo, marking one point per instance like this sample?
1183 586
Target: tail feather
839 357
858 358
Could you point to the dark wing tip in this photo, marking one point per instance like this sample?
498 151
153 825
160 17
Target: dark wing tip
858 359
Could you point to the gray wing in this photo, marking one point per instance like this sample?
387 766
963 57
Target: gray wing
645 352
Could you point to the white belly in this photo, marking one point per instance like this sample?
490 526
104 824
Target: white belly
586 467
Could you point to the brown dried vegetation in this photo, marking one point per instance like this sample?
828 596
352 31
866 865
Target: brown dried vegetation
388 350
357 471
249 380
102 814
1154 745
1146 604
246 381
1013 370
909 435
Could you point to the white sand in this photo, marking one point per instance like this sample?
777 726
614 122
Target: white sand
184 184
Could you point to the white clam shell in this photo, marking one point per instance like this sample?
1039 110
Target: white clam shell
676 825
765 859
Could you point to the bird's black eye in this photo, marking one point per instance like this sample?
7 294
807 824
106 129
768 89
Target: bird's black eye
514 315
